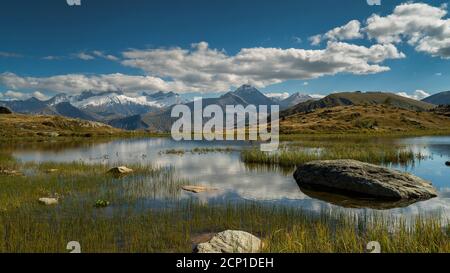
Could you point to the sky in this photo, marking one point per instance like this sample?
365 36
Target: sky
208 47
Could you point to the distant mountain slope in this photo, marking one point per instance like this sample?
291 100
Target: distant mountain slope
16 126
293 100
68 110
360 119
442 98
96 106
359 98
162 121
129 123
29 106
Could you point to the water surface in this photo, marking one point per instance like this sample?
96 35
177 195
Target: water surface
237 181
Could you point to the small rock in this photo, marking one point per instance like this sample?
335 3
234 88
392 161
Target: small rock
48 201
51 171
198 189
119 171
10 172
447 163
231 241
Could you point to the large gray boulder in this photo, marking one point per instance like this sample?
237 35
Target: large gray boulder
358 179
231 241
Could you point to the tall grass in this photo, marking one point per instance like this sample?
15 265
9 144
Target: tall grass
149 213
377 154
172 229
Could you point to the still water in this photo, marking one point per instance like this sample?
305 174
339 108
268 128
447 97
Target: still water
237 181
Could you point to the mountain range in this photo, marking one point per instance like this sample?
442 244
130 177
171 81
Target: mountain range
152 111
101 106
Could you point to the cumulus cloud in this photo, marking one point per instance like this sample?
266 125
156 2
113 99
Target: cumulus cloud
421 25
317 96
206 69
103 55
203 69
417 95
18 95
281 96
14 95
350 31
84 56
39 95
75 83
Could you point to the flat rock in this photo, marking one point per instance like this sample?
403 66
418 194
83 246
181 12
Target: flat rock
122 170
10 172
48 201
359 179
231 241
198 189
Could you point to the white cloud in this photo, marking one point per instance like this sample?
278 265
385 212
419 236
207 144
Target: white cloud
350 31
9 55
420 25
438 74
18 95
84 56
280 96
315 40
39 95
317 96
52 58
204 69
76 83
14 95
101 54
417 95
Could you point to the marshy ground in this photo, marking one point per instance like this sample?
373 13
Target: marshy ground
147 214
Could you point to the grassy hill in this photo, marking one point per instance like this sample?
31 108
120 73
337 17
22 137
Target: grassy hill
442 98
18 126
359 98
364 119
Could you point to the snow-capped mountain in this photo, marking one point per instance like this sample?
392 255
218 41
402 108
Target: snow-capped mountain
113 104
101 106
294 99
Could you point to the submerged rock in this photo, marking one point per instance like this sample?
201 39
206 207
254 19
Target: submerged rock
119 171
48 201
447 163
357 203
359 179
231 241
198 189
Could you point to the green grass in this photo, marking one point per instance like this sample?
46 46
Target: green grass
293 155
172 229
147 214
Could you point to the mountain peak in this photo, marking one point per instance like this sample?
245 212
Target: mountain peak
246 88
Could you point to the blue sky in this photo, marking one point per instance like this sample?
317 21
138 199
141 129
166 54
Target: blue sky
82 44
